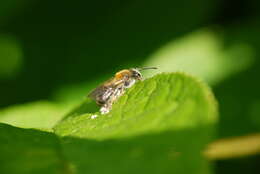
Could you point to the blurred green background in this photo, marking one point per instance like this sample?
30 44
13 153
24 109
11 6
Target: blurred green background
54 52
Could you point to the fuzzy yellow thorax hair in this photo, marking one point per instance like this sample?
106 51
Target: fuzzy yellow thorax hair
122 73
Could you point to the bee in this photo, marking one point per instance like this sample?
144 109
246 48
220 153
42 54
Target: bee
108 92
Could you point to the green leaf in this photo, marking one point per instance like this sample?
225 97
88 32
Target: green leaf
41 115
28 151
204 54
160 125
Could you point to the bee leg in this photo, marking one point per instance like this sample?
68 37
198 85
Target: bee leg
104 110
106 107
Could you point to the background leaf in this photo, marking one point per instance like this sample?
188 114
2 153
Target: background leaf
41 115
203 53
28 151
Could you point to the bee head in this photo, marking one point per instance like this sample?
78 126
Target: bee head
136 74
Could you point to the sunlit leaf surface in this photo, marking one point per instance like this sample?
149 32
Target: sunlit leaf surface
160 125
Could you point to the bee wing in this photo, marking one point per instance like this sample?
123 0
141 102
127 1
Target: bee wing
101 90
103 93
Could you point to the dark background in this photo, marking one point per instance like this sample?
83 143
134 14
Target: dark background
48 45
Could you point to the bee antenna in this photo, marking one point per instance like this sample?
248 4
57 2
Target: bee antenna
145 68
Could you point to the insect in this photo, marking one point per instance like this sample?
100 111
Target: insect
108 92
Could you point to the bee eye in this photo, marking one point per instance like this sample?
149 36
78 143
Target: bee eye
138 75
